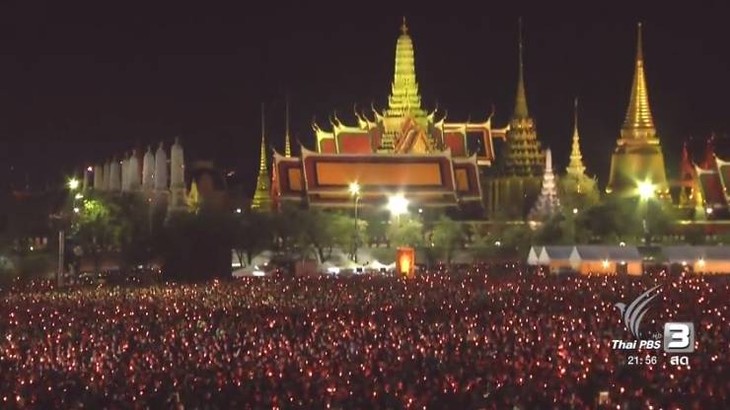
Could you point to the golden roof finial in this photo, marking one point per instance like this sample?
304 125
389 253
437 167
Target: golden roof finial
521 98
404 27
639 122
576 168
287 142
262 165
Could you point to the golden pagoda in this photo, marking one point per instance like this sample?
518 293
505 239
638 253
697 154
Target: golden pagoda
578 189
638 155
262 195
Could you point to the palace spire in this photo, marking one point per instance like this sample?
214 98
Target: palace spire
287 141
404 97
576 168
639 123
521 98
262 195
524 157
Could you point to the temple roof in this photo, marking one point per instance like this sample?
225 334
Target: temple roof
639 122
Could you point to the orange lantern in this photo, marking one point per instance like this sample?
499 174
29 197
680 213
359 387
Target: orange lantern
405 262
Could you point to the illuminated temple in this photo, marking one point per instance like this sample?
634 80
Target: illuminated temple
403 149
638 155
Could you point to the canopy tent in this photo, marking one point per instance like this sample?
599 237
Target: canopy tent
700 259
606 259
533 255
556 258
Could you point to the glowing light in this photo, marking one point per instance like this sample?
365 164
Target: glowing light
701 262
605 263
76 210
397 205
575 211
709 211
239 210
354 188
73 184
497 243
79 196
646 189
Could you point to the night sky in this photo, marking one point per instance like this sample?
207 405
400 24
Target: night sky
80 84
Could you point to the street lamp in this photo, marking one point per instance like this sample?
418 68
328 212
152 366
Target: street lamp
73 184
397 205
355 193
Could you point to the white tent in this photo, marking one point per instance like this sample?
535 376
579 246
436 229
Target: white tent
533 255
606 259
700 259
682 255
555 257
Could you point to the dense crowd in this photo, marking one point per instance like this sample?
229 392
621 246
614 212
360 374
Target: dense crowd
441 340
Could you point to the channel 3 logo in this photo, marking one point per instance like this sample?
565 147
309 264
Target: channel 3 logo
679 337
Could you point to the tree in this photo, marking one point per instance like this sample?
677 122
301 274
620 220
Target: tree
287 226
447 235
482 246
515 240
99 227
252 234
405 231
376 228
578 192
198 246
322 231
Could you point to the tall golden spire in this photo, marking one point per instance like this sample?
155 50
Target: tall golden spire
287 142
404 96
262 195
263 168
520 99
576 167
639 123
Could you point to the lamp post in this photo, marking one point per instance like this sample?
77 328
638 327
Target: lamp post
355 192
646 193
73 185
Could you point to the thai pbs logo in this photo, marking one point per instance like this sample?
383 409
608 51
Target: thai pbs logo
679 337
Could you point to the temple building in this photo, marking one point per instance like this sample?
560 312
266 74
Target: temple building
403 149
708 191
516 184
577 189
638 155
165 181
151 175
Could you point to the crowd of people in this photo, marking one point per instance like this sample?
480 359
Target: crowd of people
440 340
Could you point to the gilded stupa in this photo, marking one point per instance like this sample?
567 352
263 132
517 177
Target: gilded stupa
262 194
638 155
578 190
